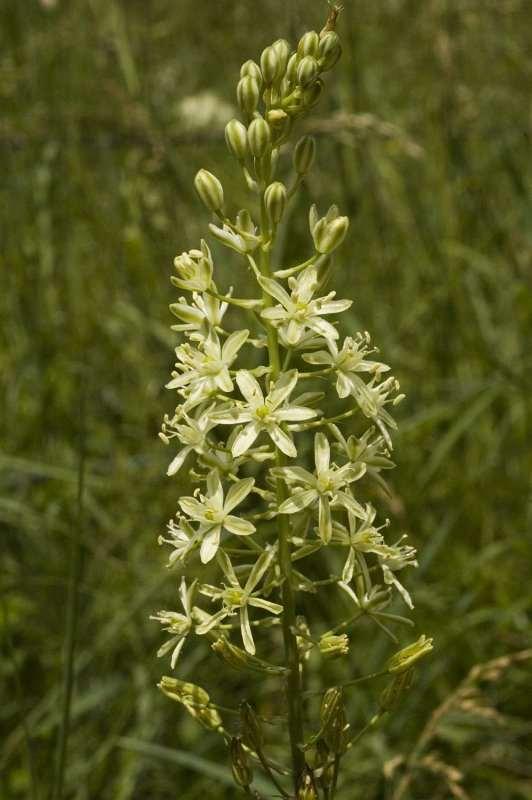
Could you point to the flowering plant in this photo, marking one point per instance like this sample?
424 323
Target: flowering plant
244 429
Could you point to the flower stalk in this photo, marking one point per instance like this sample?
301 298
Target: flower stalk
257 514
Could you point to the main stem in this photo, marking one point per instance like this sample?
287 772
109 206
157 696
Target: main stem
293 687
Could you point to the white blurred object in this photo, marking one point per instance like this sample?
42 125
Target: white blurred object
204 110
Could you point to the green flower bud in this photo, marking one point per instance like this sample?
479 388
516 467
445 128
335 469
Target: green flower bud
270 65
210 190
291 68
251 729
248 94
242 772
282 48
307 71
259 137
309 45
251 69
275 201
312 94
236 137
407 657
332 646
330 50
304 154
395 691
328 232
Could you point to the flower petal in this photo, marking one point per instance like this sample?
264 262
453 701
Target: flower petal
325 520
298 501
283 388
250 388
267 605
233 344
178 461
322 453
245 438
282 440
210 544
245 627
237 493
295 413
238 526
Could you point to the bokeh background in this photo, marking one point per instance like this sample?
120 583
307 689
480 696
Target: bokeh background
108 108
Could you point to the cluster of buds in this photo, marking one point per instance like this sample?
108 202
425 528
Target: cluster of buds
242 423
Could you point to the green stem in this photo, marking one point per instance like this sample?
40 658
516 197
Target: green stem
294 694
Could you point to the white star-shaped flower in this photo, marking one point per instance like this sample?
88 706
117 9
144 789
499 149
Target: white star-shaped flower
213 512
266 414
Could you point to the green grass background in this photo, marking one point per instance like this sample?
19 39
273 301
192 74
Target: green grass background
432 161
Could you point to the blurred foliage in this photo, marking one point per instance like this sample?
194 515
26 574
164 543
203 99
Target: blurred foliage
108 109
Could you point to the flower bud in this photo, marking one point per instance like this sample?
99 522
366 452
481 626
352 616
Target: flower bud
251 729
307 71
242 772
259 137
253 70
332 646
291 68
236 137
270 65
309 44
407 657
210 190
304 154
328 232
312 94
247 94
282 48
330 50
275 201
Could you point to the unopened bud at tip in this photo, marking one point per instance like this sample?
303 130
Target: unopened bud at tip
210 190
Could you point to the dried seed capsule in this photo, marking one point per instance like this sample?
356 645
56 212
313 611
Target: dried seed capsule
395 691
330 50
248 94
324 764
275 201
307 71
306 788
210 190
270 65
309 44
259 137
251 729
236 137
242 772
251 69
304 154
